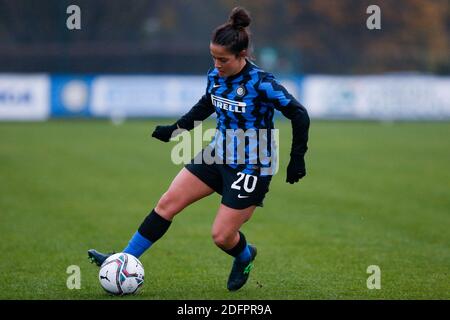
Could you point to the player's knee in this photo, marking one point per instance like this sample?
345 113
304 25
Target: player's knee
168 205
222 239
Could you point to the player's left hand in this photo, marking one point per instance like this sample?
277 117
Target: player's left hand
295 170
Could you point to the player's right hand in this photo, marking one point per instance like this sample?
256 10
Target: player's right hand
164 133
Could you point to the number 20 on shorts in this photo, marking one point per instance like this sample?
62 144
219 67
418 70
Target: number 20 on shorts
248 179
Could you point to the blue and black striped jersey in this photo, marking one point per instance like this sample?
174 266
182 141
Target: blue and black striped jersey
245 104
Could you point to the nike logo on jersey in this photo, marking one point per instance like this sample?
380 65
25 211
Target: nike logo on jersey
216 85
242 197
227 104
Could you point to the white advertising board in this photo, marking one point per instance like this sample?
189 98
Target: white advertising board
24 97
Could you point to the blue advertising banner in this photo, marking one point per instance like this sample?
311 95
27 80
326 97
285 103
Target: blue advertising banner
119 97
71 96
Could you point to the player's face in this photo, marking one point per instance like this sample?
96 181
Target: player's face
227 63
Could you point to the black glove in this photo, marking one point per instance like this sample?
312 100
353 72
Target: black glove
295 170
164 133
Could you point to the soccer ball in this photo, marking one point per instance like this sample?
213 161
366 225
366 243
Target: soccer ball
121 274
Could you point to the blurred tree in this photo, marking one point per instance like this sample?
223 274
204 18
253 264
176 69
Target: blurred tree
172 36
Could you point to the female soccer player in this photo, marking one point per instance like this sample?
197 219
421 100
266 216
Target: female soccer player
244 97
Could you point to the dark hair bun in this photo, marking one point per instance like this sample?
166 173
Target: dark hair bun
239 18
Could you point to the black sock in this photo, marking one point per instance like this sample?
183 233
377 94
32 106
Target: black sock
239 247
154 226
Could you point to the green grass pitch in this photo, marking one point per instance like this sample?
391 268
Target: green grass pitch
375 194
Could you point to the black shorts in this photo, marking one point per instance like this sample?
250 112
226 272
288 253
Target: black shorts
238 190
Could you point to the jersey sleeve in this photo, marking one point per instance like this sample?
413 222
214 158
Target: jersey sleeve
274 93
199 112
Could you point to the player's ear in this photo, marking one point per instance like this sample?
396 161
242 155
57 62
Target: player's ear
242 54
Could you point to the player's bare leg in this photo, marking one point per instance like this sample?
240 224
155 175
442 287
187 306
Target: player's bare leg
185 189
226 235
228 221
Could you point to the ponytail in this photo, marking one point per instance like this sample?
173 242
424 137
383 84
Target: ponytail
234 34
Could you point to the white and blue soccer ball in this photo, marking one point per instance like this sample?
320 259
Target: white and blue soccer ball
121 274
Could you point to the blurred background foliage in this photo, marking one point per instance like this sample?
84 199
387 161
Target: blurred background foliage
172 36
